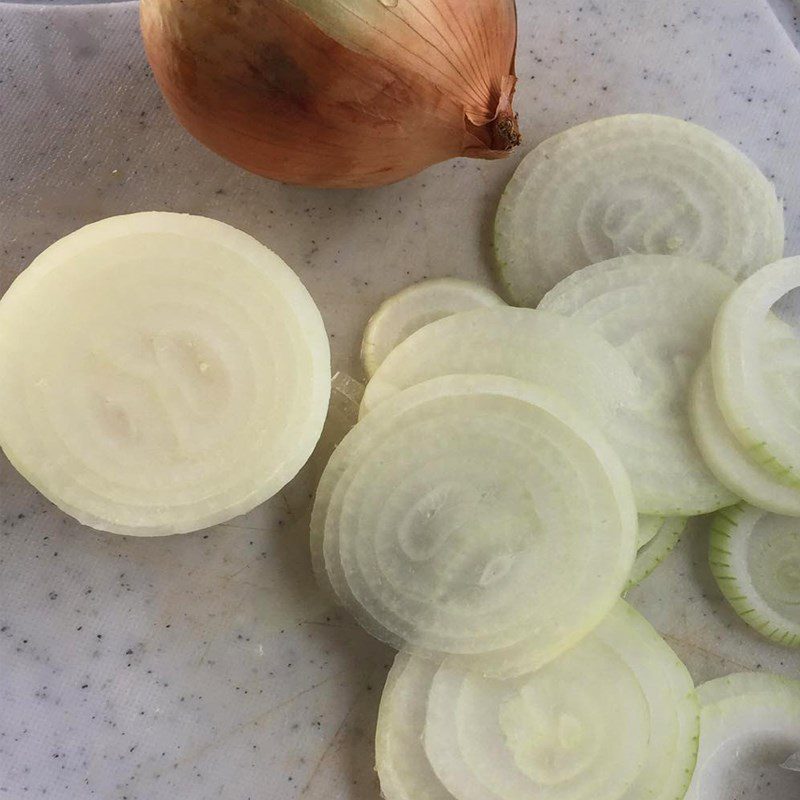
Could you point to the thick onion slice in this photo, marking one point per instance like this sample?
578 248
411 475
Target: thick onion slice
160 373
759 398
413 308
669 531
658 312
478 516
728 459
614 718
637 183
755 558
536 346
749 727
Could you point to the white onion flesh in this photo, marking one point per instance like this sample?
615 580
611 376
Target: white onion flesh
658 312
543 348
653 552
413 308
160 373
749 727
614 718
460 516
728 459
636 183
755 558
759 398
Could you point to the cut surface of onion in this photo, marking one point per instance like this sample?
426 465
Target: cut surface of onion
527 344
658 312
755 558
460 516
758 395
160 373
749 727
650 555
638 183
728 459
413 308
614 717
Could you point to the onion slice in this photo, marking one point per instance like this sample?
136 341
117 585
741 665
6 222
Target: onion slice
728 459
469 515
403 768
541 347
413 308
614 718
658 312
755 558
757 396
637 183
160 373
749 727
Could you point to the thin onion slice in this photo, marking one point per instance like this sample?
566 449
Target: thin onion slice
749 727
413 308
615 717
449 519
403 768
755 558
160 373
758 398
531 345
658 312
636 183
727 458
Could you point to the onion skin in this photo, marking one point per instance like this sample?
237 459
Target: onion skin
302 101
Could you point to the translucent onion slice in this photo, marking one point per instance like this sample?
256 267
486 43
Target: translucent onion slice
615 717
160 373
460 516
658 312
755 558
637 183
413 308
544 348
652 553
749 727
759 399
727 458
400 760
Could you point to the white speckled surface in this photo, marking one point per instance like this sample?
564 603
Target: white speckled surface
206 666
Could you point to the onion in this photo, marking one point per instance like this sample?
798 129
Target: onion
338 93
160 373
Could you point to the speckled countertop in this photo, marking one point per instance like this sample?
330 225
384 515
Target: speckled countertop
207 666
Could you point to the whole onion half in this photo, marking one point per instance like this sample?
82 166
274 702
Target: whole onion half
345 93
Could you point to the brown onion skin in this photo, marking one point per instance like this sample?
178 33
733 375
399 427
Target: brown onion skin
253 79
